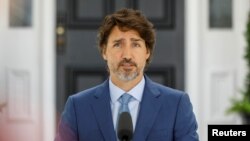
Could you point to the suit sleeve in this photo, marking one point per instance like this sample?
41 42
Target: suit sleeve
67 128
186 124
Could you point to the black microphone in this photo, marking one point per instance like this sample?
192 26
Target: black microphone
125 127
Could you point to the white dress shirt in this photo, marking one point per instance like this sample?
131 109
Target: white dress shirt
134 104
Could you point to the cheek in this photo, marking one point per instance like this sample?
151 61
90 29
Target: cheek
144 59
115 57
112 58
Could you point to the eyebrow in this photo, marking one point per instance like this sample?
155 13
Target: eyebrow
132 39
136 39
118 40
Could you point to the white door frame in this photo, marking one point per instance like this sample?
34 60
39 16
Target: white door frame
48 77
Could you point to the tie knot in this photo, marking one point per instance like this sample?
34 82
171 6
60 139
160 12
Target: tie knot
125 98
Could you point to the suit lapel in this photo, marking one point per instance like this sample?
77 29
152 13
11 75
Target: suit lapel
149 108
102 110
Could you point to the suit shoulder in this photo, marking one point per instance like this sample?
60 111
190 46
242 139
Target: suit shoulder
169 96
87 93
168 91
172 97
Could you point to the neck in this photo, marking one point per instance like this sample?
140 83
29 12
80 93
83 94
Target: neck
126 85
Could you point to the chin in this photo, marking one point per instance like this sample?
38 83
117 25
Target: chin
127 76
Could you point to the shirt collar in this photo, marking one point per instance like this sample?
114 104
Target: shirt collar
136 92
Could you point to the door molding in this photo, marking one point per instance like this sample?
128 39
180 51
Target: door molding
48 55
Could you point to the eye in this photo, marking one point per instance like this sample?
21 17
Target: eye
117 45
136 45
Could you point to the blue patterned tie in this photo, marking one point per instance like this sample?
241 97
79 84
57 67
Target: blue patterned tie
124 100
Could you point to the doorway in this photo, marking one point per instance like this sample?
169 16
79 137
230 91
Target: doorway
79 64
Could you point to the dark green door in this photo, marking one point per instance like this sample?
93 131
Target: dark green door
79 64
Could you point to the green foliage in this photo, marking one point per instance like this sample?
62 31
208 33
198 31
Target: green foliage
242 106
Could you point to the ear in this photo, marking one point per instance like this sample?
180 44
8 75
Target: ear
148 53
104 53
104 56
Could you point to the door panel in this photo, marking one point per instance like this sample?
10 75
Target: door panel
79 63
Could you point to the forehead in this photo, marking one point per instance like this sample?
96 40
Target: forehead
117 33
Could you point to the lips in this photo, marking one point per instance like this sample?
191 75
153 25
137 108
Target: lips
127 65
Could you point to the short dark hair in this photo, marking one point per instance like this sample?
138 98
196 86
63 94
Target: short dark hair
127 19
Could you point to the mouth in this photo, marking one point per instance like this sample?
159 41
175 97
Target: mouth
127 66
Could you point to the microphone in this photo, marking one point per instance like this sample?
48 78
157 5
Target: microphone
125 127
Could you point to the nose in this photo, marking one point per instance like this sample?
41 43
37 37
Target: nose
127 52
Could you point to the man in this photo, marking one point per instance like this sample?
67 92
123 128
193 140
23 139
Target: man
158 113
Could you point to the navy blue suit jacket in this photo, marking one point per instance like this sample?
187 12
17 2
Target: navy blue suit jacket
165 115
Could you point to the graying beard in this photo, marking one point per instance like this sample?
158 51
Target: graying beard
126 77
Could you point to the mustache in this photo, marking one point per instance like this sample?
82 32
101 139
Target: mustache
127 61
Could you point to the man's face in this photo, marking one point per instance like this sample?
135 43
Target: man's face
126 54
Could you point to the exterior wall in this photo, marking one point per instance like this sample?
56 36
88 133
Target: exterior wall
27 74
214 63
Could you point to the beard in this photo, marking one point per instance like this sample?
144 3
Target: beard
126 74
